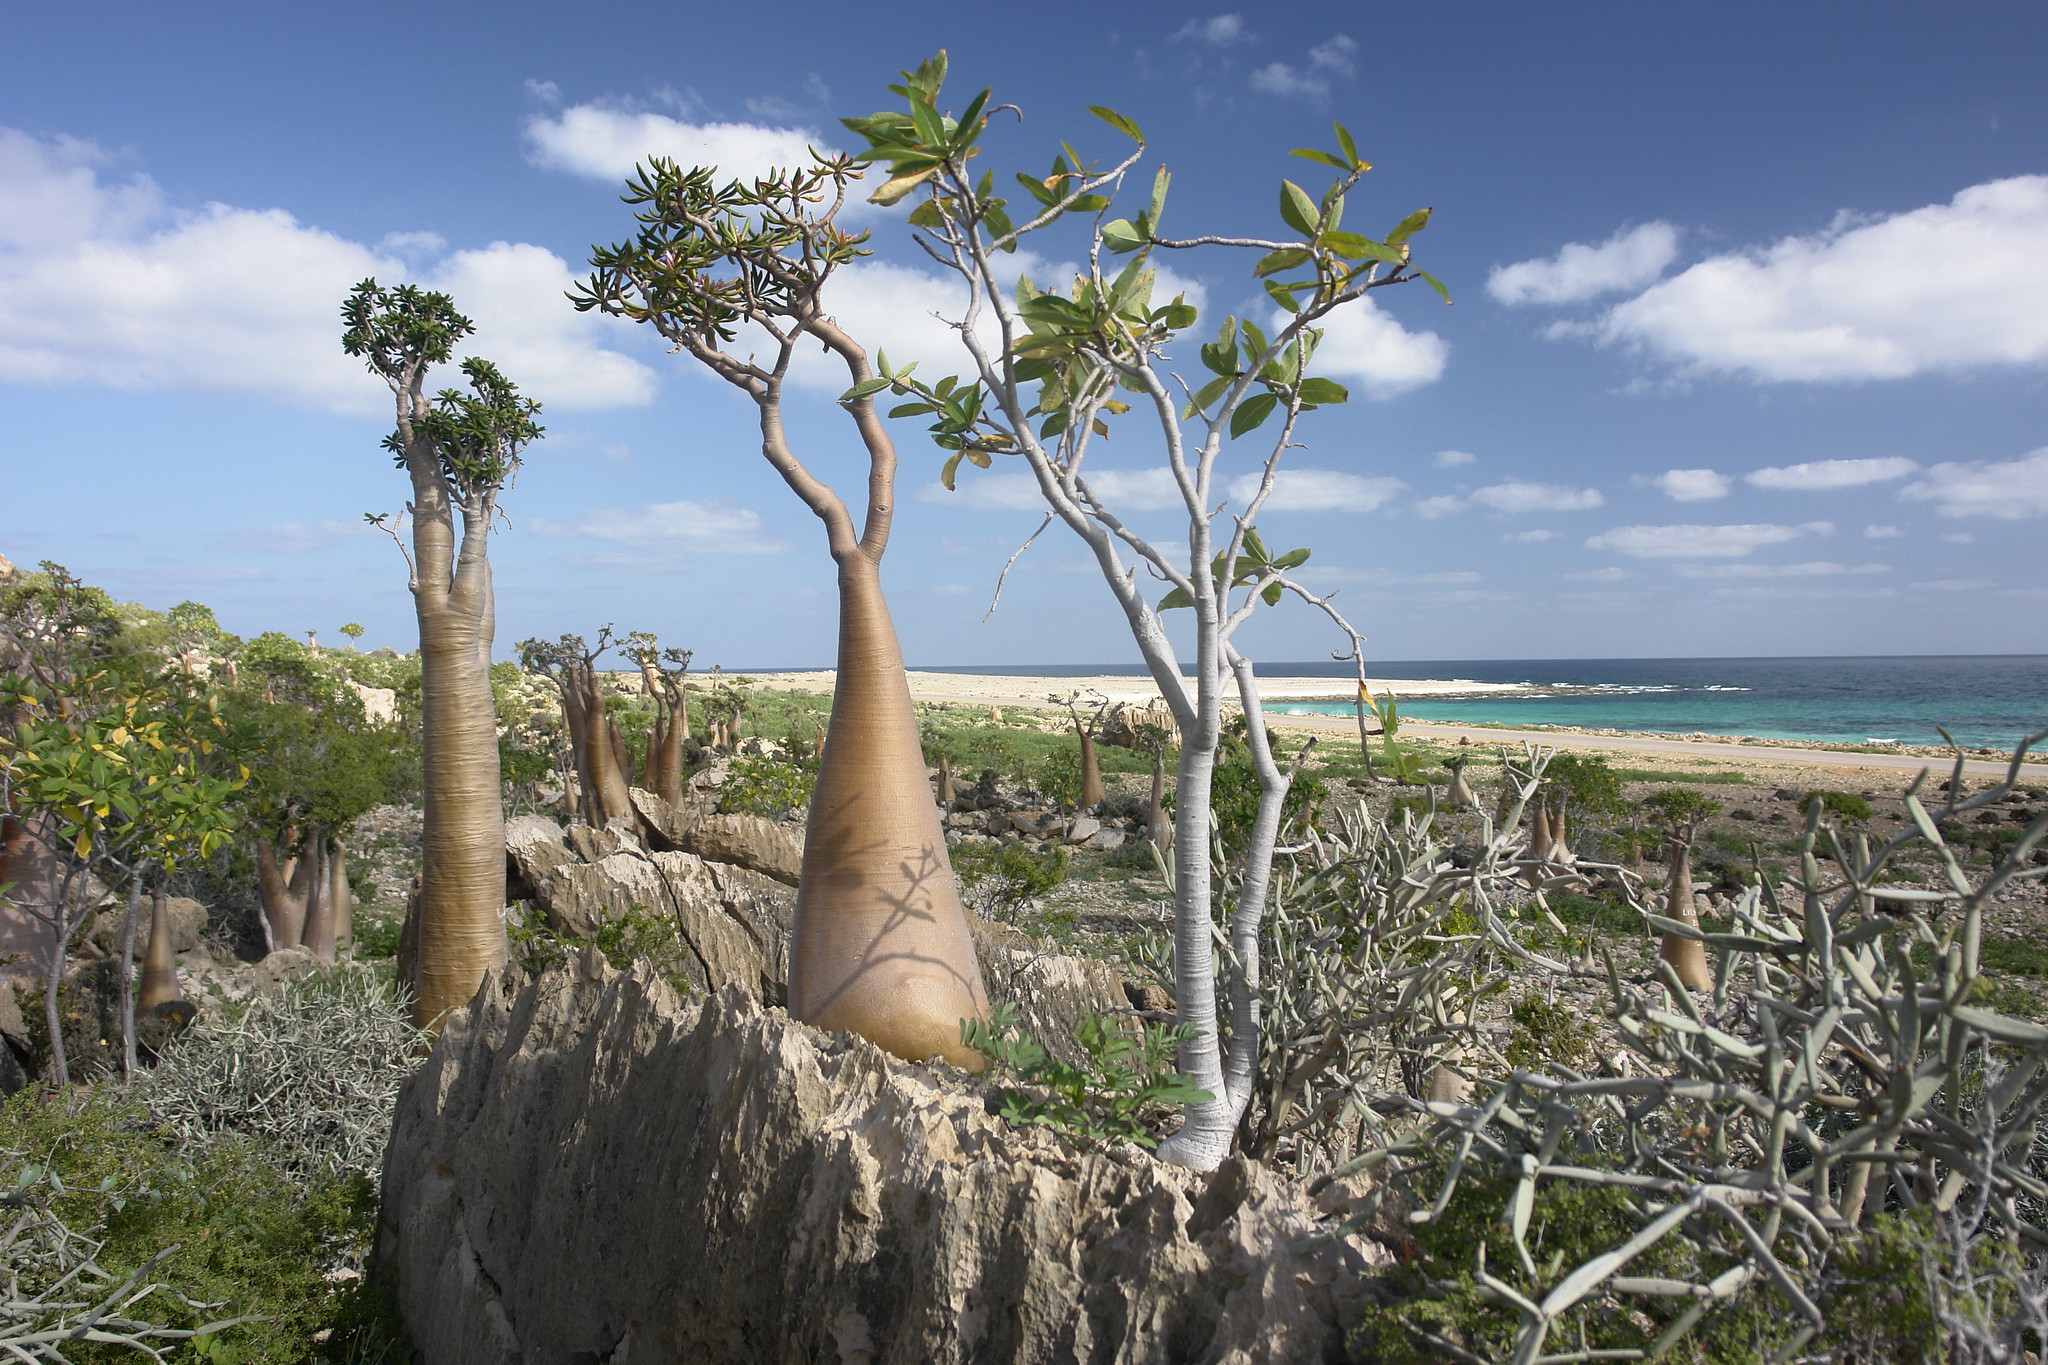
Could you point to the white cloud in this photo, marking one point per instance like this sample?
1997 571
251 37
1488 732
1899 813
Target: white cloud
711 526
1327 60
1694 542
1220 31
110 284
1364 345
1961 538
2004 488
1536 537
1955 585
1319 490
1610 574
1513 496
1693 485
1947 288
1453 459
1882 533
1826 475
605 142
1630 259
1387 577
1816 569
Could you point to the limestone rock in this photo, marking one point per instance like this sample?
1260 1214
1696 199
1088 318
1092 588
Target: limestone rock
588 1167
1106 840
534 847
736 922
749 841
188 925
662 826
1084 828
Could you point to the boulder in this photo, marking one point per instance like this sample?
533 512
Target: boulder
187 918
662 826
589 1167
765 846
534 847
736 922
1106 840
1084 828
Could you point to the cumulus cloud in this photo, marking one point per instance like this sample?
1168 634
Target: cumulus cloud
1453 459
1514 496
1220 31
108 283
1320 490
1630 259
1997 488
1610 574
1332 59
1946 288
1819 476
605 142
1367 347
1882 533
1816 569
1698 542
1692 485
1536 537
1955 585
710 526
1386 577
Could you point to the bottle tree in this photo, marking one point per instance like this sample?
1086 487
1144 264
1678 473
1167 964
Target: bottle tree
460 450
737 276
1051 368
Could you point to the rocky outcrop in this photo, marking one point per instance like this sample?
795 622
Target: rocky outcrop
765 846
534 847
103 937
589 1167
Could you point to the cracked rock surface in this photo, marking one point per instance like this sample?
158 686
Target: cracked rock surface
590 1167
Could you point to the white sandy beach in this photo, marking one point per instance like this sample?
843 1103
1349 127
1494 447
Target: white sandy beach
996 689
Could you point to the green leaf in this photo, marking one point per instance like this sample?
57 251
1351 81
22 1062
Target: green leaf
911 409
1271 594
1311 154
1409 226
1210 392
893 191
1117 121
1333 208
1088 203
863 389
1177 315
1036 188
1175 598
1319 391
1293 559
1296 208
1355 246
1158 206
973 111
1350 148
998 223
1119 235
1284 295
1434 283
927 215
1286 258
930 128
951 468
1251 413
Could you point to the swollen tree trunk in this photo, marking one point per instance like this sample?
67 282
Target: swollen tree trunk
1091 772
668 770
1461 796
28 869
318 937
622 758
650 758
607 780
880 945
342 897
160 965
1687 956
946 793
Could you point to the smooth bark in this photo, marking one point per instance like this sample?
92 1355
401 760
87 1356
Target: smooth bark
159 965
881 945
1687 956
318 936
946 793
342 898
127 961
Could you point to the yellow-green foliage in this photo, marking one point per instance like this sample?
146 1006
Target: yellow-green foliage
1545 1031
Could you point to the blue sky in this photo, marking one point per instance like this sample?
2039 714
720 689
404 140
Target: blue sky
1749 352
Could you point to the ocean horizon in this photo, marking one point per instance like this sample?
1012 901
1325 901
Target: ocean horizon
1989 700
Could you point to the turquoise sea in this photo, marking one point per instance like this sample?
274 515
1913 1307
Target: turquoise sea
1990 700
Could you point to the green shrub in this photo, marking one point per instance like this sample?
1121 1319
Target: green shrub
1124 1077
1848 805
639 935
1004 878
1545 1031
759 785
376 936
